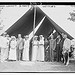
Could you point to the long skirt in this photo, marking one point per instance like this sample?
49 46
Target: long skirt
4 54
34 53
12 54
26 54
41 53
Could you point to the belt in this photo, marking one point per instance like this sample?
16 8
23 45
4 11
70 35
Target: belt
35 45
40 44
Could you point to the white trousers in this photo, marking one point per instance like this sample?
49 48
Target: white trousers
4 54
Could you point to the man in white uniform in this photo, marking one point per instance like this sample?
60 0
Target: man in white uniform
35 49
3 46
66 49
26 48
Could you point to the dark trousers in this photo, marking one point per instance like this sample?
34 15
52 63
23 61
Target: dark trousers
19 54
61 55
47 55
66 55
58 53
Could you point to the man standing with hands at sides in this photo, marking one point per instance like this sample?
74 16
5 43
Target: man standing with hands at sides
61 46
20 47
26 48
52 45
66 50
3 46
58 54
46 50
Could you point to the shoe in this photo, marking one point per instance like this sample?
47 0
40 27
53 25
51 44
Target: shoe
67 64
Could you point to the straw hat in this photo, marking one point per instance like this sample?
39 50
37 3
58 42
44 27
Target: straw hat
7 35
40 35
35 36
13 37
27 36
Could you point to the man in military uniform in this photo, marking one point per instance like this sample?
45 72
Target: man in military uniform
52 45
20 47
66 50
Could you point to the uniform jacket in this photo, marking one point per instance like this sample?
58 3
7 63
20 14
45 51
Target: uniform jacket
66 44
20 44
52 44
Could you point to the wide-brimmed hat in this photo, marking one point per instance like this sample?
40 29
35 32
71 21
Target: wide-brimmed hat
7 35
40 35
13 37
35 36
27 36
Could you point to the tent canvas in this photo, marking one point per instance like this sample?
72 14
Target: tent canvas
25 24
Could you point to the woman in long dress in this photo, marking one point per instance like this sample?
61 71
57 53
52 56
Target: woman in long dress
41 52
35 49
12 52
26 48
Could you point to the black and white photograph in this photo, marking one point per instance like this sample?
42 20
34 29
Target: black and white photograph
37 37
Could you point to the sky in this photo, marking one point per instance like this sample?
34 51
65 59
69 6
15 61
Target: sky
10 15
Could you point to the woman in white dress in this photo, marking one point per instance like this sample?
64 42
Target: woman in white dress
12 52
41 49
26 48
35 49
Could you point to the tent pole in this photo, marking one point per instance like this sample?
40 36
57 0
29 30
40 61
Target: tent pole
34 25
34 21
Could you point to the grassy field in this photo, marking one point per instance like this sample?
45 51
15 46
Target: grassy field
21 66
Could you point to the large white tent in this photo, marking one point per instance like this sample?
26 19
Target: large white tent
59 14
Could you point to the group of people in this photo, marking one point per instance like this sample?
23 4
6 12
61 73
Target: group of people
12 48
59 48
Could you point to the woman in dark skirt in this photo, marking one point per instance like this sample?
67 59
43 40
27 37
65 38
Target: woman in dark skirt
58 50
46 50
